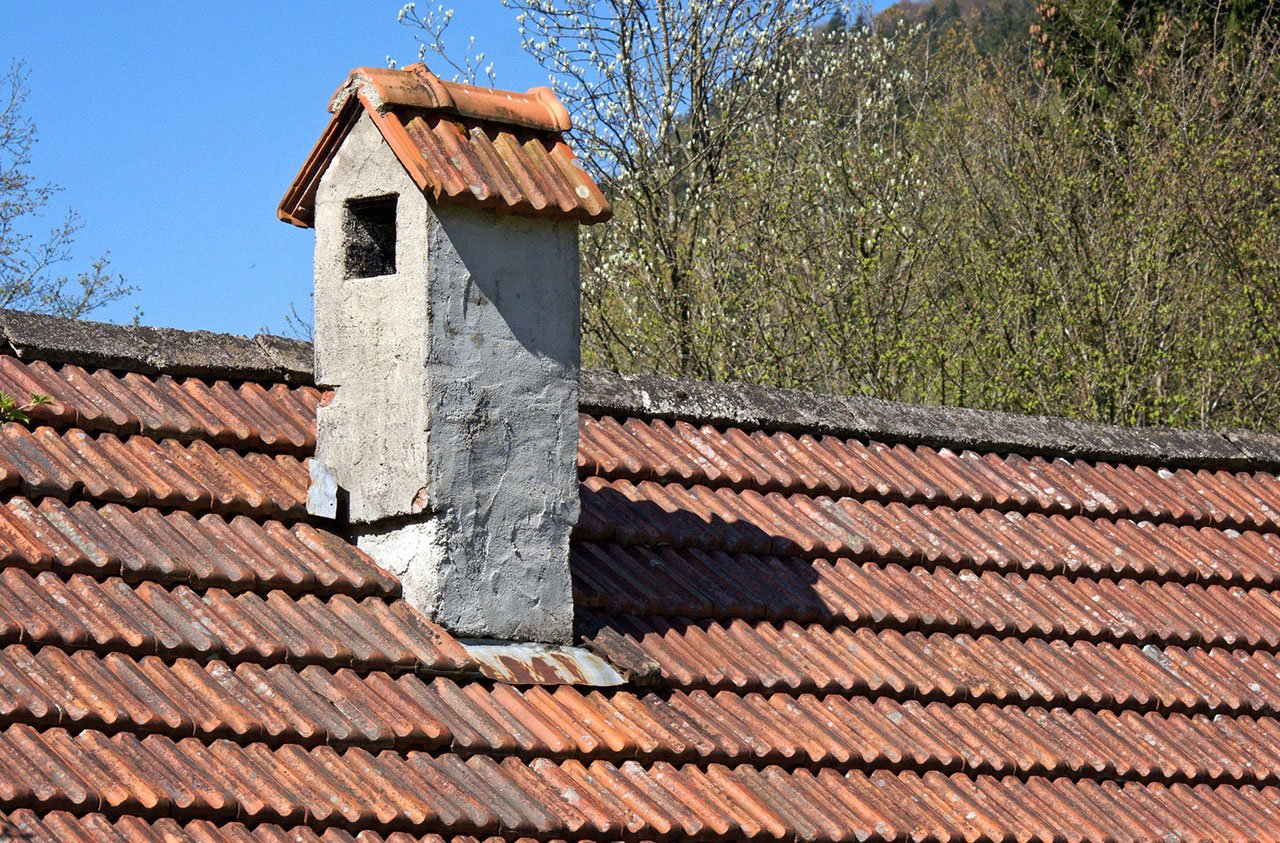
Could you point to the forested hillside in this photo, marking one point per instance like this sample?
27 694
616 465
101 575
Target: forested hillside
992 24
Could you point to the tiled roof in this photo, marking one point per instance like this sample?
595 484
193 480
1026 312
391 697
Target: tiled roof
461 144
827 635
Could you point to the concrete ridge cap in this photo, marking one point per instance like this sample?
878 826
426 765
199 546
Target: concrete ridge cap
155 351
273 359
895 422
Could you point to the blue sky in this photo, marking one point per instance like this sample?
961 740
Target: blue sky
174 129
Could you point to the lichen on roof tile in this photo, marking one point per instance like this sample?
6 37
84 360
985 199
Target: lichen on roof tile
813 627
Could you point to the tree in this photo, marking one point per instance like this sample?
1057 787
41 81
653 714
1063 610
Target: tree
1104 40
993 24
657 91
904 213
30 262
1114 259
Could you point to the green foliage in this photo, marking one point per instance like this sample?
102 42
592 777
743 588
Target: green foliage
908 218
1103 43
12 411
991 25
916 211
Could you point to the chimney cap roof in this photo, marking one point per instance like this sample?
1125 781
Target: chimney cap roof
416 86
461 144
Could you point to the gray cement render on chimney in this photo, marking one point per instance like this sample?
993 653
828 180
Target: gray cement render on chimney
453 425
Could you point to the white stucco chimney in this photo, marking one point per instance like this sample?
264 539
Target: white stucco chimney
447 328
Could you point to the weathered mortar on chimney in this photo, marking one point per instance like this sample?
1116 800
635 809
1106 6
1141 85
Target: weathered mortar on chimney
448 331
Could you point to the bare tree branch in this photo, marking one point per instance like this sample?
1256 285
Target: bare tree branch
29 260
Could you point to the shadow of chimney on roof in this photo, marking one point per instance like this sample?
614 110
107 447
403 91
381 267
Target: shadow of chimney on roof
636 557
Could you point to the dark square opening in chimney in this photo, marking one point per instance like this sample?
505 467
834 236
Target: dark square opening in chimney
369 230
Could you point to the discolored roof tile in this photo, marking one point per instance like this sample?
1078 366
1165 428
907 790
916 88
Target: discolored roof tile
823 635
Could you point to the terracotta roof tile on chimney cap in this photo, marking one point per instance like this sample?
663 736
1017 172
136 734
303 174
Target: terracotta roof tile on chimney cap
416 86
461 144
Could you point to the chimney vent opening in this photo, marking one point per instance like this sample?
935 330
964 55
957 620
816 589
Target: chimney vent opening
369 236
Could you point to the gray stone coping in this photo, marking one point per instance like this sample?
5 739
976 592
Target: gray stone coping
274 359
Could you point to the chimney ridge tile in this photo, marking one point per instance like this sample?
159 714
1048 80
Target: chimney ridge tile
445 134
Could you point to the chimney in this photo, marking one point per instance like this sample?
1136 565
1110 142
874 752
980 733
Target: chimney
447 328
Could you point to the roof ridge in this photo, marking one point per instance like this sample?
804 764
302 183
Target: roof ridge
900 422
416 86
155 351
273 359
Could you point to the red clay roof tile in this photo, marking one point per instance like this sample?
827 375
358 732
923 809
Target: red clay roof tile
837 638
461 144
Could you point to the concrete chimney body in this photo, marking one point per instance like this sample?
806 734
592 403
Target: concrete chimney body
448 334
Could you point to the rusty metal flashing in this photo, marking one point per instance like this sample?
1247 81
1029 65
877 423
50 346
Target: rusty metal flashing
271 359
518 663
